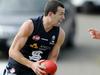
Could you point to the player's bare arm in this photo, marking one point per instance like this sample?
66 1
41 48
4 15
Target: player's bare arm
19 41
55 52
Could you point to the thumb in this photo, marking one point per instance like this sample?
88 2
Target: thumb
41 65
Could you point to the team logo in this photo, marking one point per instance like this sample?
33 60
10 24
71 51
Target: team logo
36 55
36 37
12 70
34 45
53 40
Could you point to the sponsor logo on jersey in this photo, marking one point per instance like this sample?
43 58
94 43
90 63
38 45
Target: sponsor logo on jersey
12 70
42 47
34 45
44 39
36 37
53 40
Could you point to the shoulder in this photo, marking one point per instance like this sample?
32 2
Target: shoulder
61 33
27 27
28 23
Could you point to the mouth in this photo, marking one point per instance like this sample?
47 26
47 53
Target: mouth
59 21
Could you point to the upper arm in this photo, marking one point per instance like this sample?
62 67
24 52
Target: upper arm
22 35
54 54
61 38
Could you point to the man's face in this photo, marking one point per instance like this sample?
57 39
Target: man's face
58 16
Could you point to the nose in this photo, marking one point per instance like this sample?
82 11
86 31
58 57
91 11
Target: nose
63 17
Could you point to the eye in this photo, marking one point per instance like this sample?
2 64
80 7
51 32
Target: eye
62 13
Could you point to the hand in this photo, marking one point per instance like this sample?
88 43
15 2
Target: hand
95 34
38 68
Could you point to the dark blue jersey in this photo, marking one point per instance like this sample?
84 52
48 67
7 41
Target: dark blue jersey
39 44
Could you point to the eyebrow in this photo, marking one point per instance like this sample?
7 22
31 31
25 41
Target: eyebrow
62 12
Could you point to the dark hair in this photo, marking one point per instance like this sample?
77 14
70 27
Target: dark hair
52 6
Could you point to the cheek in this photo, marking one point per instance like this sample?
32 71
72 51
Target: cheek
57 18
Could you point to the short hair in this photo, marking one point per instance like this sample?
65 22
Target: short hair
51 6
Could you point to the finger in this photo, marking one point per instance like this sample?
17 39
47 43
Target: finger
37 72
91 33
41 71
91 29
42 66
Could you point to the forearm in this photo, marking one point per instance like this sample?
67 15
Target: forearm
54 55
17 55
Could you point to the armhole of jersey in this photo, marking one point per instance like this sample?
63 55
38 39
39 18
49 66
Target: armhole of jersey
36 26
58 29
33 23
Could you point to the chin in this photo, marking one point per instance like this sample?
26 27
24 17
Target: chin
56 25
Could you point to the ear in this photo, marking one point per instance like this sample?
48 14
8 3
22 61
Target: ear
50 13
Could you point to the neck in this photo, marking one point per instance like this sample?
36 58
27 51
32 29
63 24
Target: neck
47 24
